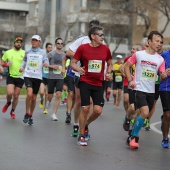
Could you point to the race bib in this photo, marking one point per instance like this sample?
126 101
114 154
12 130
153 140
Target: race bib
148 74
95 66
58 71
118 78
33 62
45 70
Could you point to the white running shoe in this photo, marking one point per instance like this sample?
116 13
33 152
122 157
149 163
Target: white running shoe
54 117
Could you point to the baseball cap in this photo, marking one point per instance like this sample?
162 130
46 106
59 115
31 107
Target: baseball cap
37 37
18 38
119 56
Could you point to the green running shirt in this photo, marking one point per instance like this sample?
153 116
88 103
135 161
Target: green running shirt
16 57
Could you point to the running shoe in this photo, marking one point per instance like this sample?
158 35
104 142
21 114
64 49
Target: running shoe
4 109
45 111
147 128
165 143
86 134
41 104
75 131
82 141
12 115
134 142
68 118
126 124
30 121
54 117
26 117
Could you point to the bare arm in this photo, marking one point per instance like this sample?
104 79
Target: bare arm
127 67
74 66
122 69
64 60
1 68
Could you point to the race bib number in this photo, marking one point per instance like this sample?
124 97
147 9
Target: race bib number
45 70
94 66
33 62
148 74
118 78
58 71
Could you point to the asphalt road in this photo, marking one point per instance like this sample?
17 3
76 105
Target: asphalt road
49 145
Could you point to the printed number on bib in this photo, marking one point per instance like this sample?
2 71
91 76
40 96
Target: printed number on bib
148 74
33 64
95 66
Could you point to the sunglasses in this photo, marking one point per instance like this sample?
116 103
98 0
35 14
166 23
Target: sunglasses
100 35
60 43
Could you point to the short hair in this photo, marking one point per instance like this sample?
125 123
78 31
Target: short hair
138 47
93 23
93 30
47 44
58 39
152 33
144 40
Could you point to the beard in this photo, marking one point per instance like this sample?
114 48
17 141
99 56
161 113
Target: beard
17 47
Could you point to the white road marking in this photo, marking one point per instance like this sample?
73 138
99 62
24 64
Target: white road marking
152 126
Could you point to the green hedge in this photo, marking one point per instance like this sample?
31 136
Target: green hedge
3 91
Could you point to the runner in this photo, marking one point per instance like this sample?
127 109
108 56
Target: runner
69 81
91 79
34 61
148 62
128 105
44 83
13 59
71 52
117 82
55 77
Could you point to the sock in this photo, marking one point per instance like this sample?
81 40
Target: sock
76 124
137 126
86 126
8 103
12 110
